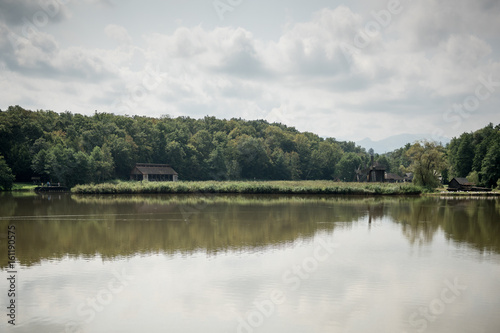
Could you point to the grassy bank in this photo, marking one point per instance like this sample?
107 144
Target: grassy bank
23 187
253 187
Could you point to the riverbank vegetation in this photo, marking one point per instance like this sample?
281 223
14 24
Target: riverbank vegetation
250 187
76 149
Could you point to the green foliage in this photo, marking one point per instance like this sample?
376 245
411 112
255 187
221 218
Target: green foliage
427 162
461 156
77 149
397 159
6 176
383 161
490 168
476 152
348 165
473 177
101 164
245 187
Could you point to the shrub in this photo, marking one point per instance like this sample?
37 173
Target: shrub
6 176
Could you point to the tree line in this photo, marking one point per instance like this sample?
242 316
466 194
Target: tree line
476 156
76 149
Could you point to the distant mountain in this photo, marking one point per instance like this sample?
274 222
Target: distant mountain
393 142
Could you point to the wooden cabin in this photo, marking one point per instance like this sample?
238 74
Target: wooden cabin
460 184
153 173
393 178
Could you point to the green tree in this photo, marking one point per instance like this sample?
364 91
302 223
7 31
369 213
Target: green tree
124 152
81 174
252 158
217 164
233 170
295 166
303 149
490 170
6 176
483 139
42 163
176 156
280 165
348 165
427 162
101 164
465 156
383 161
324 159
473 177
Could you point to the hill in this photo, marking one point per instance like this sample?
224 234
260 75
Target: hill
76 149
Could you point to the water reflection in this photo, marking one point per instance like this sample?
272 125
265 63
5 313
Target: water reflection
66 225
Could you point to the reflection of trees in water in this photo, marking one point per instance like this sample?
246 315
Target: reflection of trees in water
125 225
470 221
418 217
475 222
86 226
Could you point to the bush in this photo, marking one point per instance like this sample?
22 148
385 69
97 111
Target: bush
6 176
473 177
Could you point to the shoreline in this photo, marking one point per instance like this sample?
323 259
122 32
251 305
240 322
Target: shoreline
307 187
316 187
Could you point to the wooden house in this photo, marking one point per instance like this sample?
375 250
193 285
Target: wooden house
393 178
460 184
153 172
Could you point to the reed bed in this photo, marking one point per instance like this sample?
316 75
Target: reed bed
248 187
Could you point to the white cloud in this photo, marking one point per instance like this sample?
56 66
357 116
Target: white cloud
118 33
35 13
414 68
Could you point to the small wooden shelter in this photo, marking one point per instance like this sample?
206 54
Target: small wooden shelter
462 184
153 172
393 178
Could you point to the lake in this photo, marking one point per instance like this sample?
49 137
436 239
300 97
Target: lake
229 263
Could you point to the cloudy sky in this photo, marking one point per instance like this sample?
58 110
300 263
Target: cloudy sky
343 69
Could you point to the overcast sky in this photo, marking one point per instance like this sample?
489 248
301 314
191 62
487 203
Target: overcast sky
343 69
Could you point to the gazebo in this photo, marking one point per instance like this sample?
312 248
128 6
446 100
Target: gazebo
153 172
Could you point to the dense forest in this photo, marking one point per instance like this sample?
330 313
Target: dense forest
75 149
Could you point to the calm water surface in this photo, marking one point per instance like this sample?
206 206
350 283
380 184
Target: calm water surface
251 264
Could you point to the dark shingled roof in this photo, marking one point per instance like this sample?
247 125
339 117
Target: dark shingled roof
153 169
463 181
393 176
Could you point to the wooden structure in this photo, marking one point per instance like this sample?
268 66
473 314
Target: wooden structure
462 184
373 173
153 172
393 178
408 177
45 189
376 174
